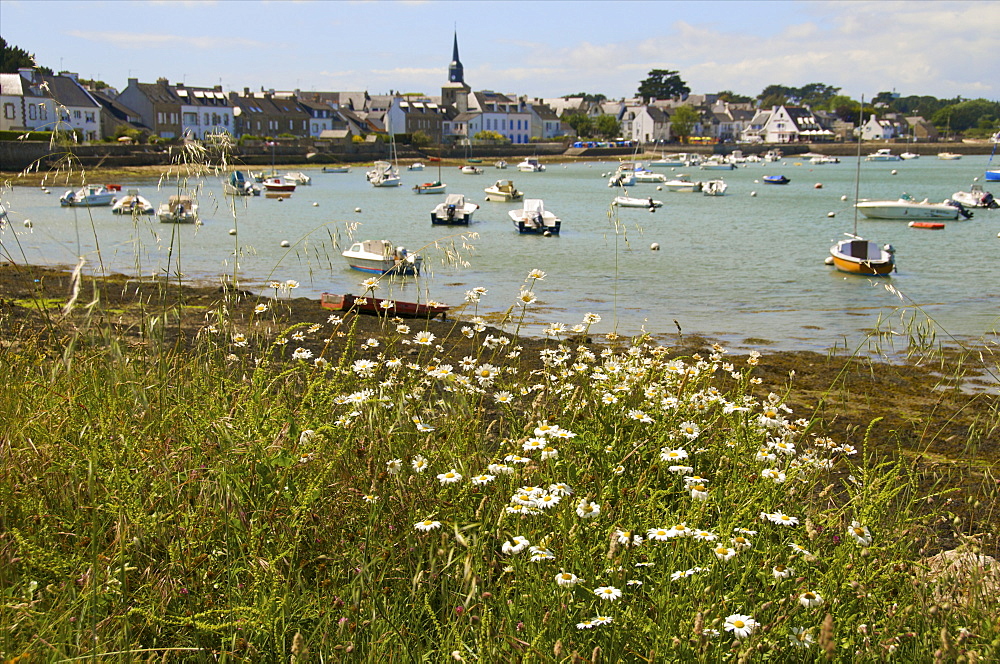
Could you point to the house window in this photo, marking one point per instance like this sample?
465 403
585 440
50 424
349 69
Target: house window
76 115
43 111
8 111
90 116
207 117
32 112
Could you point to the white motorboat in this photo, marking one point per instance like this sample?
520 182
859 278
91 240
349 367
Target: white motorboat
906 156
976 197
278 184
238 184
682 185
454 210
823 159
882 154
415 166
336 169
298 177
500 164
384 174
471 170
132 203
633 202
949 156
714 187
648 177
906 208
91 195
381 257
503 191
673 160
716 165
534 218
179 209
531 165
622 178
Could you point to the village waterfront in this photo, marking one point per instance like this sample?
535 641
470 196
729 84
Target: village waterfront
748 265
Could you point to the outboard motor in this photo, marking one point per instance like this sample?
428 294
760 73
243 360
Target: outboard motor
963 211
450 212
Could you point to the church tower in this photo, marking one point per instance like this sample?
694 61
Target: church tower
456 92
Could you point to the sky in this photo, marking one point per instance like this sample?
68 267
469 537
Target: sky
538 48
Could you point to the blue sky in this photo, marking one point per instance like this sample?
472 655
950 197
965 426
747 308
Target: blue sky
541 49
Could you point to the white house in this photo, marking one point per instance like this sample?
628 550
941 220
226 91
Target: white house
789 124
651 125
879 130
508 117
24 104
204 111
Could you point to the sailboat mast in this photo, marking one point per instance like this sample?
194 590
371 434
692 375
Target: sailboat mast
857 174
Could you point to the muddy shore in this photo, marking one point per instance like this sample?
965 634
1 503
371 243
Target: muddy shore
939 410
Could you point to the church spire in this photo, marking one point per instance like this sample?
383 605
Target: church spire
455 69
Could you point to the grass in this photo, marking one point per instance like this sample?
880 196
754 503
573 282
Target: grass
319 494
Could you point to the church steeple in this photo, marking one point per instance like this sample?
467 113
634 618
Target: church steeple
456 72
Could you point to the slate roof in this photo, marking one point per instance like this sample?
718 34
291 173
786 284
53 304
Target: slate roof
68 92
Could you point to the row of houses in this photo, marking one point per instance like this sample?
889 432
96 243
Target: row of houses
34 101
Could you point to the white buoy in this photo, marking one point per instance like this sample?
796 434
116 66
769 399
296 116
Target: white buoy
659 188
843 198
975 179
831 214
818 185
756 181
652 209
655 246
28 223
893 172
315 204
547 233
357 209
828 260
286 243
752 194
232 231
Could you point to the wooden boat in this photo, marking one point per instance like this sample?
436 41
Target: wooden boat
503 191
534 218
378 306
933 225
775 179
179 209
132 203
454 210
381 257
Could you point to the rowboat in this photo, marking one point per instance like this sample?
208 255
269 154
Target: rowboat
430 188
633 202
859 256
933 225
775 179
378 306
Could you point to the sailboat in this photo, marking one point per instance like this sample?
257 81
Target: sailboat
436 187
386 173
854 254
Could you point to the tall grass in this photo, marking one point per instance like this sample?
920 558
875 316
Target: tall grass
230 503
314 494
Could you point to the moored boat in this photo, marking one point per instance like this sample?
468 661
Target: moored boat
436 187
531 165
906 208
716 164
415 166
633 202
471 170
976 198
384 174
534 218
714 187
298 177
775 179
278 183
132 203
382 307
882 154
857 255
503 191
336 169
179 209
932 225
682 185
500 164
949 156
381 257
91 195
453 211
239 184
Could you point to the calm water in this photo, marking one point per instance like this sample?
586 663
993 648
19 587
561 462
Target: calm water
734 267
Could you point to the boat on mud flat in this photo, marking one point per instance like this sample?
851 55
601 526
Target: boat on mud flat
383 307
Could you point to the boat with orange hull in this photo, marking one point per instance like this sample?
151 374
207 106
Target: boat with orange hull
383 307
856 255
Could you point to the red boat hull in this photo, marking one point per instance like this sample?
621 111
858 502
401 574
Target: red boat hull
374 305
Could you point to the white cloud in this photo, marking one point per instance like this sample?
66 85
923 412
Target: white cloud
134 40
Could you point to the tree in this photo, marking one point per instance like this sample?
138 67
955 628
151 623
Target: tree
581 124
662 84
814 94
965 115
588 97
733 98
776 95
683 121
489 135
13 58
607 126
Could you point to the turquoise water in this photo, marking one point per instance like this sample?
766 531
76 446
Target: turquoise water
732 267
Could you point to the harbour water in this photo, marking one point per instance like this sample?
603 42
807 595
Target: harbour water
744 267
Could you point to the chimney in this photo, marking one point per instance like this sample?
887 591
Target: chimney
70 74
246 92
133 83
162 81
